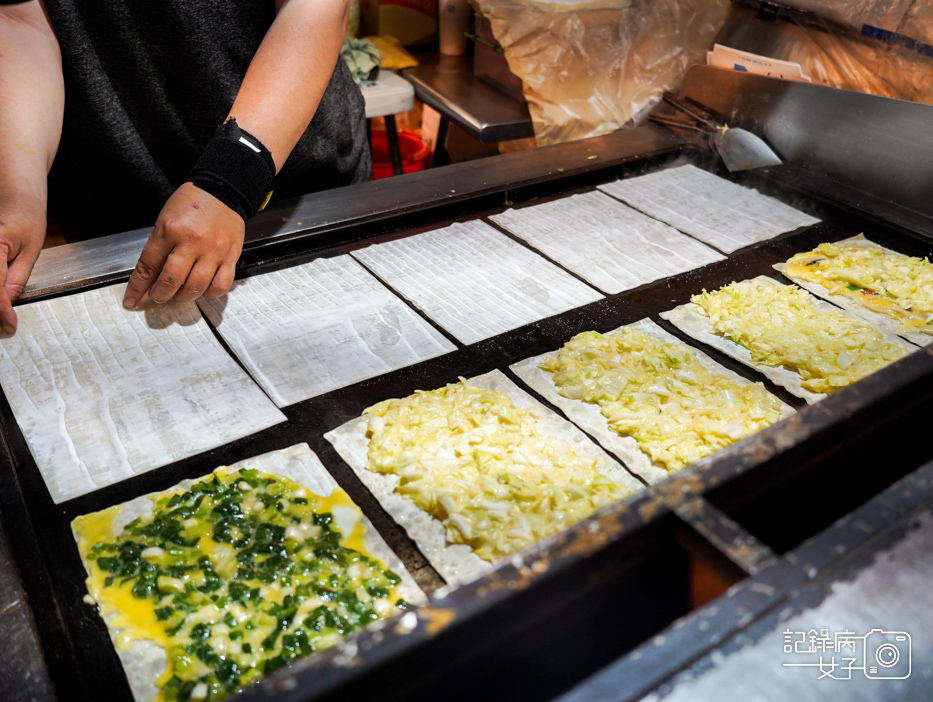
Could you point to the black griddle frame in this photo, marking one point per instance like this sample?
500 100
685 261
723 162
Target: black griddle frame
534 628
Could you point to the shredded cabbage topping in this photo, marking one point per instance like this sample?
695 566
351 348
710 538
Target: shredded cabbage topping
890 283
659 394
780 326
478 464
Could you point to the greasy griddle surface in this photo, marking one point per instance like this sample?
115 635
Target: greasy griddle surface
79 650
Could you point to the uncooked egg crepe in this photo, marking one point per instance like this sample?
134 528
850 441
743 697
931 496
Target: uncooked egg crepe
102 393
475 281
307 330
713 209
606 242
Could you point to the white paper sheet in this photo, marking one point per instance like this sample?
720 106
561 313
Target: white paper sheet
606 242
587 416
144 661
304 331
102 393
691 320
877 319
457 563
474 281
713 209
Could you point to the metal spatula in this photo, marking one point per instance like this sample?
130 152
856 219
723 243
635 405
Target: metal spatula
738 148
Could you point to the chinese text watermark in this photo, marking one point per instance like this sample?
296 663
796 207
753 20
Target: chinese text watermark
880 655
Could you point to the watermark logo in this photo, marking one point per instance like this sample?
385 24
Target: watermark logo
879 654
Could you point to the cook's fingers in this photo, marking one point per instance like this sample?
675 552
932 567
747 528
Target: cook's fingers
174 273
7 315
199 279
222 281
147 270
19 270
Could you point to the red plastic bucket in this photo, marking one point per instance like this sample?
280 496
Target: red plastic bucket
412 148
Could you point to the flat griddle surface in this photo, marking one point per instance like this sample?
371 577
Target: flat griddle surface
78 648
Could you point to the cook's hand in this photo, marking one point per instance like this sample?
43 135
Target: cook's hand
22 231
192 251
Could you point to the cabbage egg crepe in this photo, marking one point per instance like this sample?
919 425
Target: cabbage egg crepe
781 326
883 281
477 463
658 392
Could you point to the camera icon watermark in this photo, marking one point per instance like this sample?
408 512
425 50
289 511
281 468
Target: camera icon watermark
879 654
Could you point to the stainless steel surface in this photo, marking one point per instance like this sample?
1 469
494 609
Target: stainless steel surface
890 594
869 570
738 148
741 150
22 672
73 264
447 84
112 257
881 146
740 547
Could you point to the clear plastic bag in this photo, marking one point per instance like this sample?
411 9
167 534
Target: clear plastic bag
834 56
910 18
592 66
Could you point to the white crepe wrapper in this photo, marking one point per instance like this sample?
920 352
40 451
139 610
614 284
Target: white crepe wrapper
587 416
877 319
689 318
474 281
712 209
144 661
103 394
457 563
304 331
605 242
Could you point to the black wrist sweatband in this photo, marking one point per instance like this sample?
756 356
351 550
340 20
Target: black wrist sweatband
236 169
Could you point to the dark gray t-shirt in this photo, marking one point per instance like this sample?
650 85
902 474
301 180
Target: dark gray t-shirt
146 84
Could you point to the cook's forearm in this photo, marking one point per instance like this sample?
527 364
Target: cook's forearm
289 73
32 99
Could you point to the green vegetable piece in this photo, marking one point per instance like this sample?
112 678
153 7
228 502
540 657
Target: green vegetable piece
206 653
228 672
268 643
237 591
110 564
272 664
146 585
